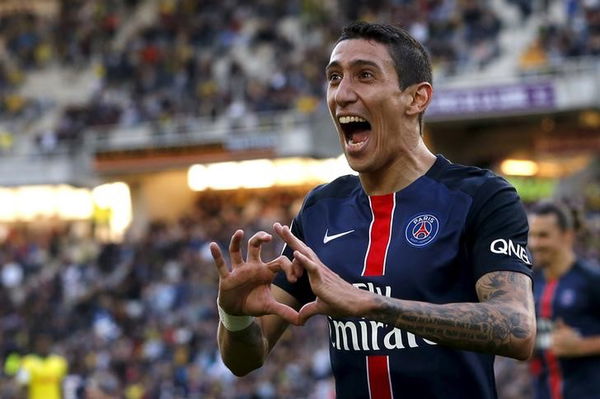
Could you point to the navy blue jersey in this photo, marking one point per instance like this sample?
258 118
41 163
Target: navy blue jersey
430 241
574 298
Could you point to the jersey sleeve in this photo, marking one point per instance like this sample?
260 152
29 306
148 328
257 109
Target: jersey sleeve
61 366
301 289
593 279
497 230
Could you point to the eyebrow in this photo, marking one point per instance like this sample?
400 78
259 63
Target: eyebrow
353 64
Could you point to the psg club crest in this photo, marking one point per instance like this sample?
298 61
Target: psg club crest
567 298
421 230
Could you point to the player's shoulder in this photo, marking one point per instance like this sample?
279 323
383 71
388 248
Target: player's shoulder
29 360
469 179
342 187
589 271
57 358
57 363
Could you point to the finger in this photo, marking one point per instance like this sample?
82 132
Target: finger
309 310
235 252
255 243
306 262
285 312
283 263
215 251
290 239
297 268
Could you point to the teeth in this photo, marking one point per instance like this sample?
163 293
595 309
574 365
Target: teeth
348 119
354 145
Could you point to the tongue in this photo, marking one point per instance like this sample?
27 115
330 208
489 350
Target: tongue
359 137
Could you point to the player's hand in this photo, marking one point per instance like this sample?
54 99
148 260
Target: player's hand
246 288
566 341
334 295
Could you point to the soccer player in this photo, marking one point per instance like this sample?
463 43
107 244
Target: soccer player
566 364
419 264
42 372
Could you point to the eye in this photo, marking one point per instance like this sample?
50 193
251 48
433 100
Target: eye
334 77
366 75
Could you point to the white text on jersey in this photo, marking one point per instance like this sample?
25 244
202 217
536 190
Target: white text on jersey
508 247
367 335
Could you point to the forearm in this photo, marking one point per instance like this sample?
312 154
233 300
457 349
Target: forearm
588 346
242 351
484 327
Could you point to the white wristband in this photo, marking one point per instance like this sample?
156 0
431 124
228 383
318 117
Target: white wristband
232 322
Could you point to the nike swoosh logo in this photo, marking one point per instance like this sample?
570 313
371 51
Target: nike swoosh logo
327 238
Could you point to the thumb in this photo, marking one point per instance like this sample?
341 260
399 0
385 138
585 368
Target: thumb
309 310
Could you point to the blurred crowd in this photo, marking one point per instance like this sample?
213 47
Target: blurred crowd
573 33
140 316
218 59
33 37
231 60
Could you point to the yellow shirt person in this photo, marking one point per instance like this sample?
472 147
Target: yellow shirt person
43 376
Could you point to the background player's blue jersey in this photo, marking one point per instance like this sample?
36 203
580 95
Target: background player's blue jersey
430 241
574 298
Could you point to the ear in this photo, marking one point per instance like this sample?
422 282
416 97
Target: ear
420 97
569 238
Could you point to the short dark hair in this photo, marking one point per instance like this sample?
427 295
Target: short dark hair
411 60
564 217
410 57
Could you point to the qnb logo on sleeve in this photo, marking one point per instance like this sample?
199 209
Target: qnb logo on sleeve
509 248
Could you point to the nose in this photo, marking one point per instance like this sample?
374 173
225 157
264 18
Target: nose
345 92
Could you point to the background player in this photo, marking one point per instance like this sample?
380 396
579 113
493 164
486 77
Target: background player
42 372
567 297
413 253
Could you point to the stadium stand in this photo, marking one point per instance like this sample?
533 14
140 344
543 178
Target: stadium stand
192 58
145 311
573 33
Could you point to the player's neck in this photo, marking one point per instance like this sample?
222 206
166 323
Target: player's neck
559 266
405 169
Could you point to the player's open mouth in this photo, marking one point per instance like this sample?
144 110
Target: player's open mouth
356 130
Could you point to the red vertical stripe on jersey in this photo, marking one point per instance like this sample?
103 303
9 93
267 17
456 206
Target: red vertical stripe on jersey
547 298
555 380
378 374
382 207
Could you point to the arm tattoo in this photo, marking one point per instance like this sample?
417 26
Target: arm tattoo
502 317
